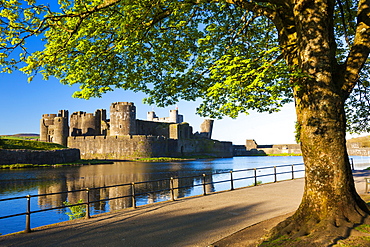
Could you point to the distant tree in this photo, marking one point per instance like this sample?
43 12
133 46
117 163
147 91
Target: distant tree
237 55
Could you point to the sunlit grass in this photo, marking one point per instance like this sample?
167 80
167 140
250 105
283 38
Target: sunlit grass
16 143
76 163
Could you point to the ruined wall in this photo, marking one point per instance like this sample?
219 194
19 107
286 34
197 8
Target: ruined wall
252 148
47 120
89 124
25 156
152 128
357 150
135 146
207 147
122 147
281 149
174 117
181 131
206 128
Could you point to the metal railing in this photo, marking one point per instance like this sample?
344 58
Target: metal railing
288 170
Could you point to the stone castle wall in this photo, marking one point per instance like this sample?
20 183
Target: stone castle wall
252 148
25 156
207 147
140 146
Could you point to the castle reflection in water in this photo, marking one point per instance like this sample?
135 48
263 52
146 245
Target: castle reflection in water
96 176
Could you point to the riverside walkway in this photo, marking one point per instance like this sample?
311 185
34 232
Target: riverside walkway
196 221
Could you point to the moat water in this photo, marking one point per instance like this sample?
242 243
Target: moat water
22 182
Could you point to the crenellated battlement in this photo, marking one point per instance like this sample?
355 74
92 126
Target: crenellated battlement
49 115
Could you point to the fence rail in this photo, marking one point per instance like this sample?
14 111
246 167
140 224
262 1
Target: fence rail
292 169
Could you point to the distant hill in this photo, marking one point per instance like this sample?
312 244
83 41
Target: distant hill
27 134
363 141
23 136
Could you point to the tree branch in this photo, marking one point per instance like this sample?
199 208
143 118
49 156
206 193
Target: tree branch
360 49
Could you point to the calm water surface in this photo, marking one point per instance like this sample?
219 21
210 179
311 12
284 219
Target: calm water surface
14 183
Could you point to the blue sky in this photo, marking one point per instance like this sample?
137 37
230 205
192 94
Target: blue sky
23 103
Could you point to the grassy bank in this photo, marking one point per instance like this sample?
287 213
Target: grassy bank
284 154
77 163
170 159
264 155
162 159
15 143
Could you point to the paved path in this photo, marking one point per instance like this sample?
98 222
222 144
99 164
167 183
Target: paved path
198 221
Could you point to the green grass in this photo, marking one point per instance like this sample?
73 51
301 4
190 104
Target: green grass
162 159
284 154
77 163
264 154
169 159
17 143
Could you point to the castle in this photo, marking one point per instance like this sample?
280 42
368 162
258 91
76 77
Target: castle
125 137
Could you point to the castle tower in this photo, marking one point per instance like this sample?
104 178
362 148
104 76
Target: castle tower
100 117
88 124
173 116
150 116
250 144
54 127
75 125
122 118
61 129
206 128
46 121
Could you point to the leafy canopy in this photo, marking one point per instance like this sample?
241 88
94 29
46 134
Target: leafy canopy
221 52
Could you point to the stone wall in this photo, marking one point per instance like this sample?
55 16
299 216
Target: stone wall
207 147
152 128
358 151
141 146
121 147
252 148
25 156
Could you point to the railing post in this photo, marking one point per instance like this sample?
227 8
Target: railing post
231 181
255 177
171 189
292 171
204 185
275 175
28 215
133 195
87 203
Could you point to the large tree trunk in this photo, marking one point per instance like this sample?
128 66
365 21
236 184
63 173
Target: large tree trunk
330 205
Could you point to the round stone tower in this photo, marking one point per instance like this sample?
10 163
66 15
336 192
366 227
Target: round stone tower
88 124
122 119
61 129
